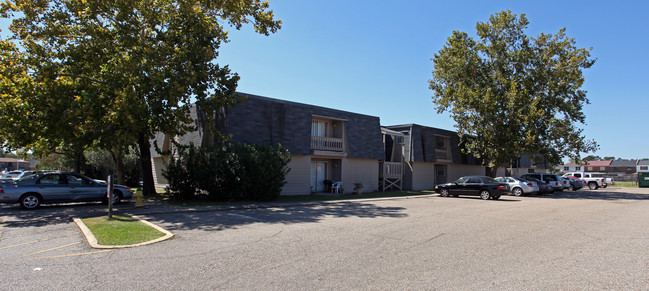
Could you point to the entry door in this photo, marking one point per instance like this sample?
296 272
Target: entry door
440 174
318 175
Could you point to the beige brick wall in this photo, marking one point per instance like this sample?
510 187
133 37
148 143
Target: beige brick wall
457 171
423 176
298 180
365 171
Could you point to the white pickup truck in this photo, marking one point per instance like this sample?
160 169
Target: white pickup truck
593 180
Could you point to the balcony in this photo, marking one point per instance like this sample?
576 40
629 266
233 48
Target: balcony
322 143
391 170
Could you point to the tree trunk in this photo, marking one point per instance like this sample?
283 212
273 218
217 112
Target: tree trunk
119 166
148 186
491 171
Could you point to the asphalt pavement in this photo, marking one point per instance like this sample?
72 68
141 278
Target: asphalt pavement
571 240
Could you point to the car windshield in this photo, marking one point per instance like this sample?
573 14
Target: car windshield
462 180
530 179
27 177
489 180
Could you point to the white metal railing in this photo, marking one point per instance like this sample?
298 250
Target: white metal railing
392 170
327 143
442 155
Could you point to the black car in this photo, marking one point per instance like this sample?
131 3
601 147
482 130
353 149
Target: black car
485 187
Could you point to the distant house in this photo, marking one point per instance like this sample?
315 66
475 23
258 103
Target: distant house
326 144
622 167
570 167
597 166
642 166
12 164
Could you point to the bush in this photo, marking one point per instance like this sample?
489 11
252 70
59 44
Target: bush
228 172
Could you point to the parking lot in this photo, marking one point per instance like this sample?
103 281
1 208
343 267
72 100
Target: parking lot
571 240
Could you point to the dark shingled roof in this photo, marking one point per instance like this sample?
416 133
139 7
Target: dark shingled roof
624 163
423 143
262 120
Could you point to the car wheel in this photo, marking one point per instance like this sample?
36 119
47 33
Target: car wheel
30 201
592 185
517 191
485 195
117 197
443 192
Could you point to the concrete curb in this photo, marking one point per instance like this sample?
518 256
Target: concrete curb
92 240
182 209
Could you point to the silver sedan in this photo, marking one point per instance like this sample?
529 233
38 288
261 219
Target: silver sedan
518 186
32 191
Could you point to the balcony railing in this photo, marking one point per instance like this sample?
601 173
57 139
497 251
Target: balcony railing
442 155
327 143
392 170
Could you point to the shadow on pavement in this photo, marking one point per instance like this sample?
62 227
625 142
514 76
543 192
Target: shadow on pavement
220 220
50 214
600 194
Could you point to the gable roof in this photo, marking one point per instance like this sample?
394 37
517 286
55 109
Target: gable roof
643 162
624 163
605 163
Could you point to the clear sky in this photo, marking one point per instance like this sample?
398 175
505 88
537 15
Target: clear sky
374 57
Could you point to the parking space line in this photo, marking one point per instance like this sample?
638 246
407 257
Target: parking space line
72 255
25 243
52 249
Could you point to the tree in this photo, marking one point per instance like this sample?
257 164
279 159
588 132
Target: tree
591 158
513 95
110 74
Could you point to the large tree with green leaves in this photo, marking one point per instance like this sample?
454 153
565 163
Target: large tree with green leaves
513 95
112 73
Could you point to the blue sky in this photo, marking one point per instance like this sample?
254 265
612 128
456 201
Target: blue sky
374 57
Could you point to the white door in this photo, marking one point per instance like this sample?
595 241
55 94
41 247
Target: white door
318 175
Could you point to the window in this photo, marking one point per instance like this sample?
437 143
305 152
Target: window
577 168
319 128
440 143
643 168
566 168
475 180
628 169
590 168
75 180
602 168
51 179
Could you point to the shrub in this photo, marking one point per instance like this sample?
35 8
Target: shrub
228 172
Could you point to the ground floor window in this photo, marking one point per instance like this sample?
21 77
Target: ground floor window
318 176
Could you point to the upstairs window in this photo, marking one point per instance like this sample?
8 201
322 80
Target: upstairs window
319 128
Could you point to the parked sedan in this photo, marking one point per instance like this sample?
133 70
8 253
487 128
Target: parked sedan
11 175
485 187
32 191
544 188
518 187
552 179
575 184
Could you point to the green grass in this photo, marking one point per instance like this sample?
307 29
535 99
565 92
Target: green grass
120 230
625 184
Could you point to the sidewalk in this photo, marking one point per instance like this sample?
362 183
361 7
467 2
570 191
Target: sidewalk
158 207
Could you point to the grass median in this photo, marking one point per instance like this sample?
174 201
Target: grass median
121 230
